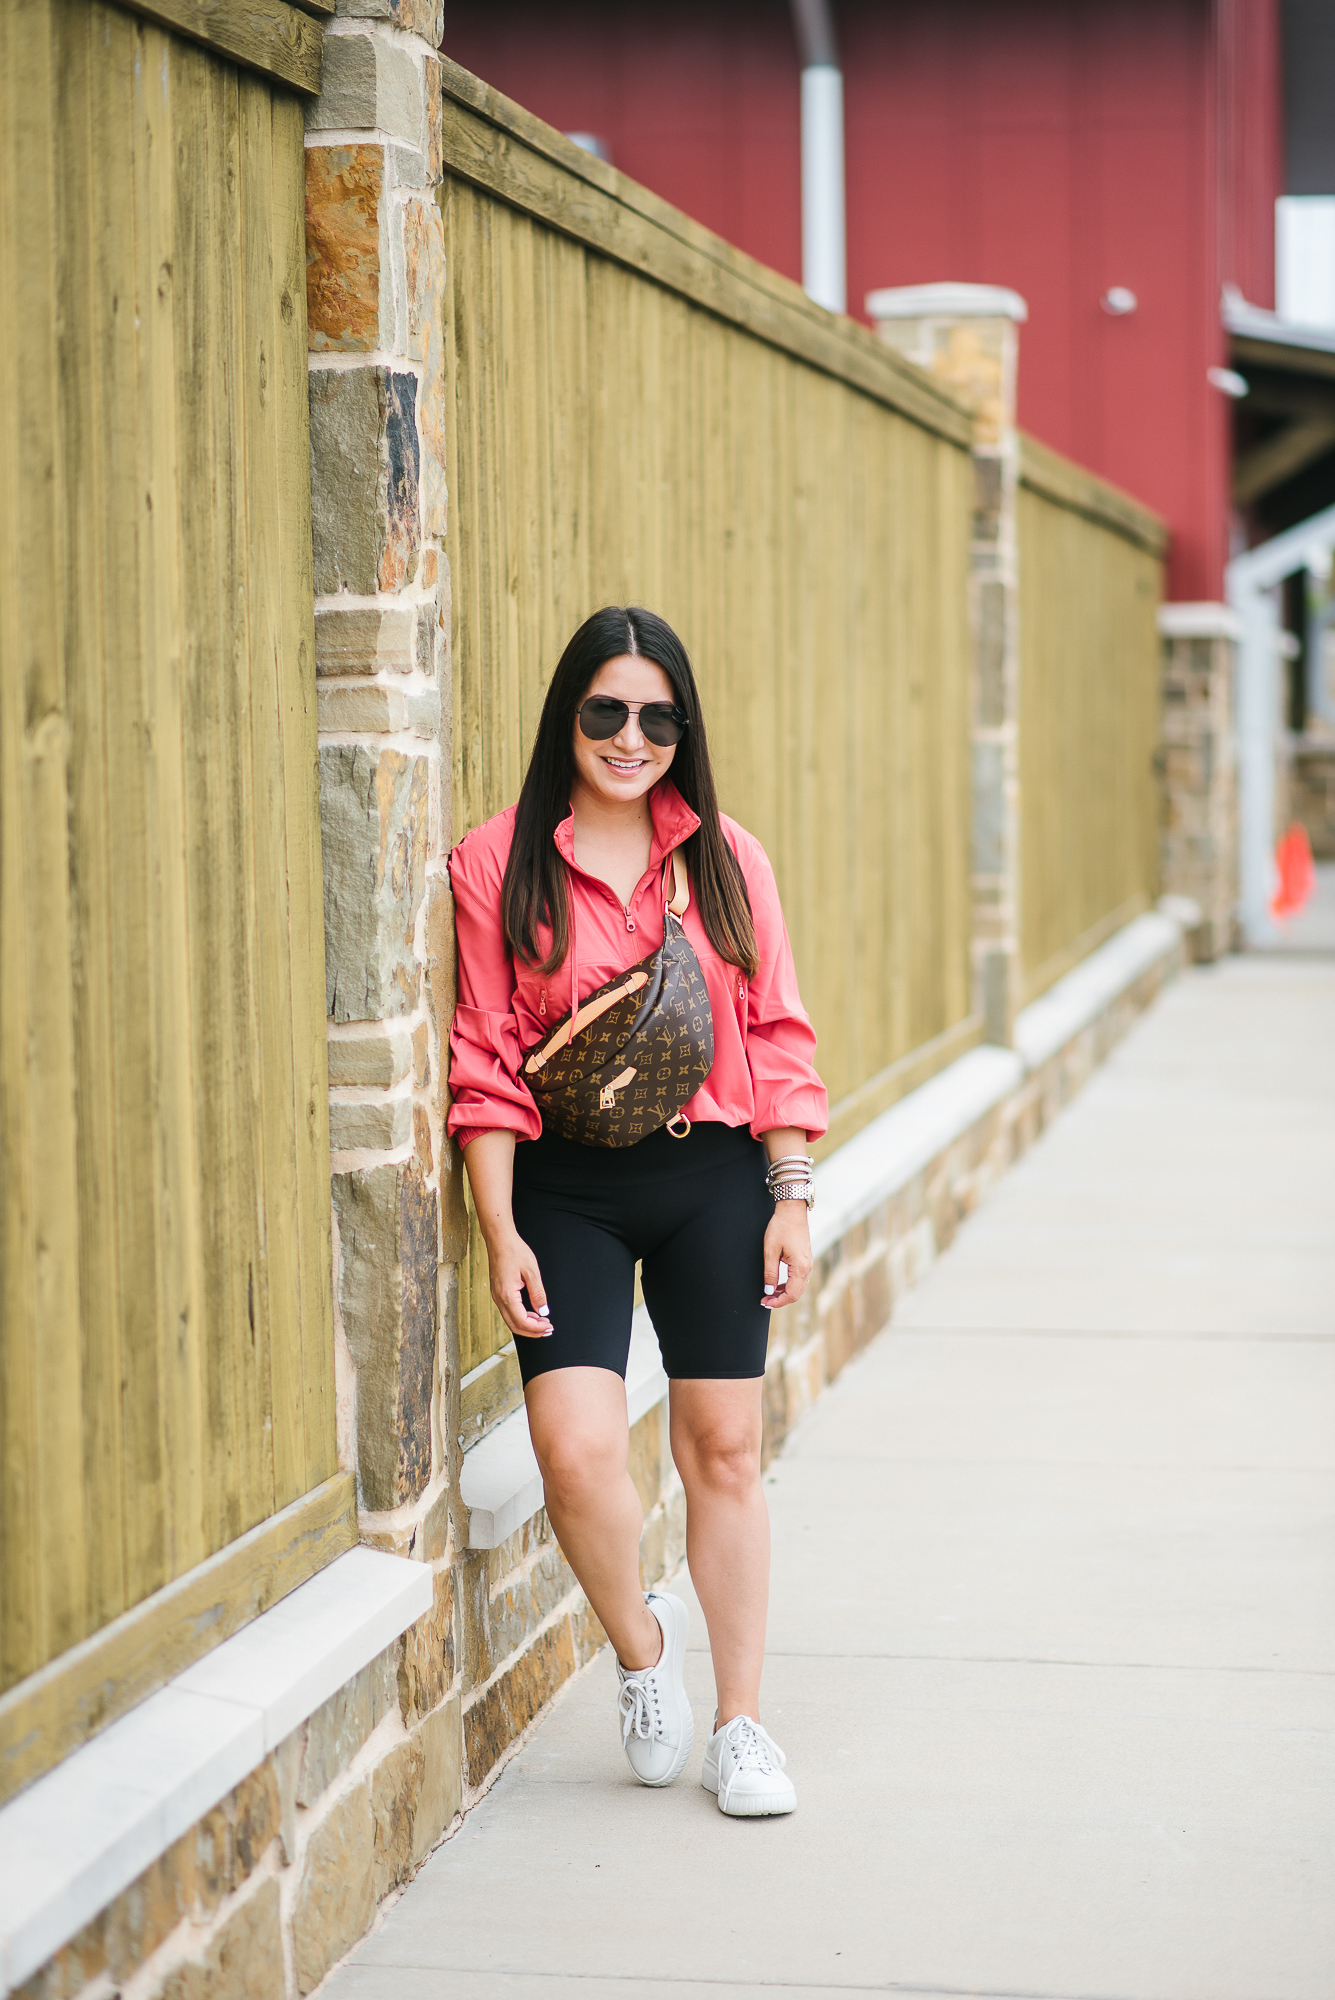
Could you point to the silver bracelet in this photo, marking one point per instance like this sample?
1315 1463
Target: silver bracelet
791 1179
796 1191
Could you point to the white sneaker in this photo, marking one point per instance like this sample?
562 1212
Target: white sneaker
744 1765
657 1728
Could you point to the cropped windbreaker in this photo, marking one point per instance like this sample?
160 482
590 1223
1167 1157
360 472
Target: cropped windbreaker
764 1045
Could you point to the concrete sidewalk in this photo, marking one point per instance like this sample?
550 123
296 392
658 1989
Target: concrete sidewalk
1052 1639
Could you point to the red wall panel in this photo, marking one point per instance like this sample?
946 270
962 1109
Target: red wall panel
699 102
1056 146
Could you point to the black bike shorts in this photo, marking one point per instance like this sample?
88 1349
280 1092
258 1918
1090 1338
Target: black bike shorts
694 1210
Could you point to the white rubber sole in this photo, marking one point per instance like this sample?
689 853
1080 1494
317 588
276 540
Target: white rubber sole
674 1658
752 1805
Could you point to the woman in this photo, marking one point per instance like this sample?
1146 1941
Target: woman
554 898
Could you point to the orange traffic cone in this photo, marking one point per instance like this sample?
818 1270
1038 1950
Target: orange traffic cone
1297 876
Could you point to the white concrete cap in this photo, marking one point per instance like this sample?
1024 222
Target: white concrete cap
294 1657
947 301
1184 911
1076 1001
1199 621
886 1154
78 1836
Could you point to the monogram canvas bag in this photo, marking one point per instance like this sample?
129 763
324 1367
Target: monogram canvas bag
624 1061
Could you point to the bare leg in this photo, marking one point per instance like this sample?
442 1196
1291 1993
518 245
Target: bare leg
577 1420
716 1446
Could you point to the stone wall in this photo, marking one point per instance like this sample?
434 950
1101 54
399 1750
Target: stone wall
374 287
1199 774
277 1883
1312 791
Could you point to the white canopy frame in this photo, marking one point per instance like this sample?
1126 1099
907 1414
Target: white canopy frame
1251 580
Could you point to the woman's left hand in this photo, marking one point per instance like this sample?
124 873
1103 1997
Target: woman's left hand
787 1241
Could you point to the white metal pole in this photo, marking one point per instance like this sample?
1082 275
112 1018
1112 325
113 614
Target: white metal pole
823 230
1257 719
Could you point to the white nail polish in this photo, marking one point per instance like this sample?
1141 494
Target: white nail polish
768 1290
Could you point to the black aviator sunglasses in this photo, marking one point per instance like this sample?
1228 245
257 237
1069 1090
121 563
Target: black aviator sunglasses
661 722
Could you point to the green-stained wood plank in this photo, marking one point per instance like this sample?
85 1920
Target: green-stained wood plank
266 35
56 1441
513 519
481 364
135 1019
448 209
301 801
459 205
25 138
277 1354
204 671
176 1153
90 812
236 584
563 323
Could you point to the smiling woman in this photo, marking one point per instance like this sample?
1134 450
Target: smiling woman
672 1078
610 770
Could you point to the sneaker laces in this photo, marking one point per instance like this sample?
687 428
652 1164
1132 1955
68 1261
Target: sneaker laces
641 1713
753 1749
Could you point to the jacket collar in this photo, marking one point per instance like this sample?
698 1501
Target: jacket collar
673 821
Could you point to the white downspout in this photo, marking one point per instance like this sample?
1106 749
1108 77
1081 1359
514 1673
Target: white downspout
824 277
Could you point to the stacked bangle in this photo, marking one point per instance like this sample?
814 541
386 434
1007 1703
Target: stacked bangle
790 1178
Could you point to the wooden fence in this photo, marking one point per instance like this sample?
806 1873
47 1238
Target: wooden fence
643 415
1091 578
166 1362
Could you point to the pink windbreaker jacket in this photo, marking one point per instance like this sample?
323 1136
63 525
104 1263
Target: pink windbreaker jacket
763 1042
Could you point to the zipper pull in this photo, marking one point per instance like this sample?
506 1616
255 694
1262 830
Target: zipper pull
542 1003
630 921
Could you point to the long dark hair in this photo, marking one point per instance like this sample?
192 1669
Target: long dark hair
534 890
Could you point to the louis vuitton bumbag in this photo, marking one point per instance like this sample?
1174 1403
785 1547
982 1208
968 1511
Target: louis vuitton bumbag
626 1059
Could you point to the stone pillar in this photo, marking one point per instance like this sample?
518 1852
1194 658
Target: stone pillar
375 296
374 289
1198 768
1313 788
967 335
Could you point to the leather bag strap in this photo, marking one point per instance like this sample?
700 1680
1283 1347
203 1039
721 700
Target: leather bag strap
634 980
681 887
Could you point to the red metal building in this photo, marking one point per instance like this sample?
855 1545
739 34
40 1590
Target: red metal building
1060 147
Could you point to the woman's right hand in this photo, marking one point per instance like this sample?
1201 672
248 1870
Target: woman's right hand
514 1270
489 1160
